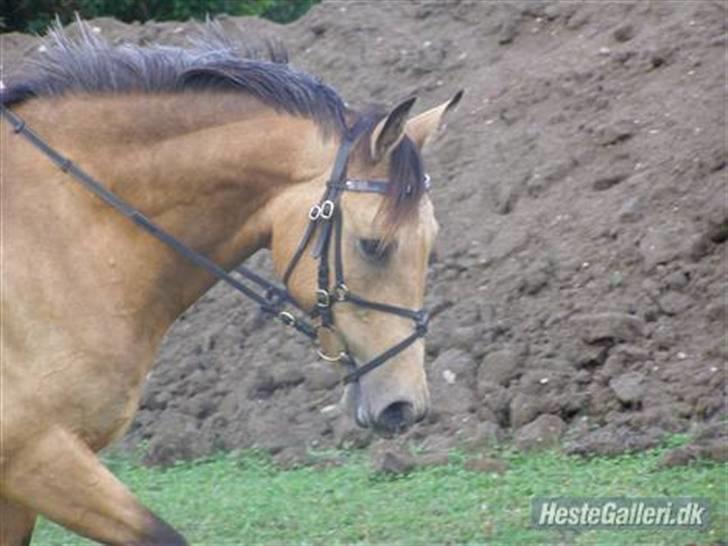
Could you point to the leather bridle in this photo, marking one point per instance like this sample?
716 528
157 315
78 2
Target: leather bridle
325 216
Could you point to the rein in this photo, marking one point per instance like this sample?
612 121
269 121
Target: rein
274 299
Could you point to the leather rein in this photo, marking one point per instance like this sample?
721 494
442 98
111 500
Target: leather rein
273 299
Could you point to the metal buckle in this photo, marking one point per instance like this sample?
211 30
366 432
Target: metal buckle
327 209
324 211
315 213
427 182
341 292
323 298
287 318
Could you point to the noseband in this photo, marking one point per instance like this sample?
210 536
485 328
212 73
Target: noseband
325 215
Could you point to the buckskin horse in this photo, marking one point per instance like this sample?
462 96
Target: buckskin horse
135 178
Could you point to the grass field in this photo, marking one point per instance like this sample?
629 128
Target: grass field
245 499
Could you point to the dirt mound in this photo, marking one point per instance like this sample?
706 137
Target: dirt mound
581 188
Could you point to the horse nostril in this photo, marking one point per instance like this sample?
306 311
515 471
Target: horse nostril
396 417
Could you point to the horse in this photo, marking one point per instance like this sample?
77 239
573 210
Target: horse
190 160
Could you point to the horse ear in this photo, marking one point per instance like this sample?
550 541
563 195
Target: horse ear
423 126
388 132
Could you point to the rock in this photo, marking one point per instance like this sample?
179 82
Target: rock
465 338
496 398
458 362
555 170
624 33
505 196
677 280
484 435
717 311
499 367
698 246
292 457
392 461
200 406
718 231
578 20
535 278
621 356
287 375
175 439
553 11
509 28
673 303
664 244
487 465
452 378
716 450
631 210
605 182
523 409
436 458
615 133
543 432
629 387
584 355
679 456
713 431
321 376
614 440
708 442
611 326
349 435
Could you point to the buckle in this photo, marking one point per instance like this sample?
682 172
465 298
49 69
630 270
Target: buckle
324 211
315 213
427 182
327 209
287 318
323 298
341 292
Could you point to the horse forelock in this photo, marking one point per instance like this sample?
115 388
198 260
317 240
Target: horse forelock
406 174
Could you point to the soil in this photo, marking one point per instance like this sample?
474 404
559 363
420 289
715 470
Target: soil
581 188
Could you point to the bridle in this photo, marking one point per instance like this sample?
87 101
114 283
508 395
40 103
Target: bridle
325 216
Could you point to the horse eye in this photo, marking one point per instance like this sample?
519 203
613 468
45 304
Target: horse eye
374 250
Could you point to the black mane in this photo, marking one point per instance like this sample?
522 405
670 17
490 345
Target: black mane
89 64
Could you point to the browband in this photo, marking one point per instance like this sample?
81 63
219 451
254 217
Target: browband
369 186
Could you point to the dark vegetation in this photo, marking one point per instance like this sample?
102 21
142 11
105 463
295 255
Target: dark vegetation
35 15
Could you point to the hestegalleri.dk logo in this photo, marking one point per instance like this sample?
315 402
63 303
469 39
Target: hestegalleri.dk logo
619 512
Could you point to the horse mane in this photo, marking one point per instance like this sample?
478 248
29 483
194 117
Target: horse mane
214 61
88 63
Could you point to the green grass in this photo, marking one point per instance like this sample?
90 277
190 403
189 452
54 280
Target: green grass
245 499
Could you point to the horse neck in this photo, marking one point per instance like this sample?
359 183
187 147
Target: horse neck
204 167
